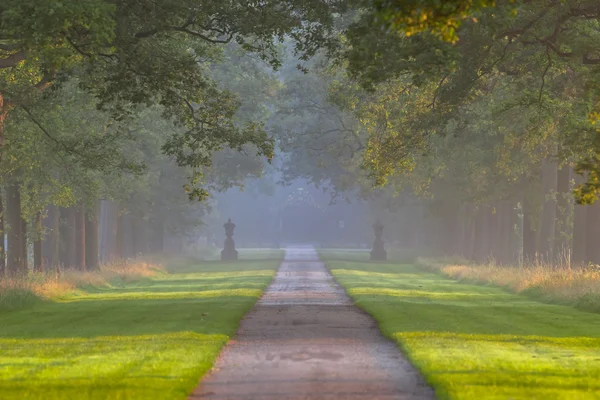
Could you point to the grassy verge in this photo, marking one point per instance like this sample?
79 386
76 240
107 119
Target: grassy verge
398 255
477 342
32 289
578 287
148 339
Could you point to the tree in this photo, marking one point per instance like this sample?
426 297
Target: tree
148 52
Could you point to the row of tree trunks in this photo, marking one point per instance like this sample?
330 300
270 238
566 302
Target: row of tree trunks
549 228
70 237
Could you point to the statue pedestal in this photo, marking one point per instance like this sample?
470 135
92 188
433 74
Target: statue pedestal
229 252
378 253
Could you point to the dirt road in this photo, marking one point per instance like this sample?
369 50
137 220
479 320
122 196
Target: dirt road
305 340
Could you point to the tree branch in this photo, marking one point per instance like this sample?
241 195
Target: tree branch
46 81
13 59
11 46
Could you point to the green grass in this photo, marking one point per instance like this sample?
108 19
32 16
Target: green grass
398 255
477 342
152 339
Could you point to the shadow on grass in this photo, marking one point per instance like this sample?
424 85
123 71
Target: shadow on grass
475 342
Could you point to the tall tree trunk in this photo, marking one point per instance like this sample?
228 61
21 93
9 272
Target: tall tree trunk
38 261
593 233
16 234
548 215
503 240
529 234
496 232
3 114
461 233
488 232
108 231
91 238
24 247
158 231
51 242
2 249
129 236
579 255
481 242
471 222
68 256
119 253
139 236
80 237
564 212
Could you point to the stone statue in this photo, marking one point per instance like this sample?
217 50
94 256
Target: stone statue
229 252
378 253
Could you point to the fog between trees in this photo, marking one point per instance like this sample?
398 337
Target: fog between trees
127 128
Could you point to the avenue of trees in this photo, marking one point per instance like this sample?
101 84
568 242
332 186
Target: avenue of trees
476 118
143 103
479 120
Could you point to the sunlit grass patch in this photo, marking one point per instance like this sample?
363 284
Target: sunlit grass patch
149 339
501 366
162 366
479 342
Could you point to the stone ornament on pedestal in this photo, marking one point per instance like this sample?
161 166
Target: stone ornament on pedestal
229 252
378 253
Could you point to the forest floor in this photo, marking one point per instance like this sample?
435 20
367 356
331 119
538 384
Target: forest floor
476 342
151 339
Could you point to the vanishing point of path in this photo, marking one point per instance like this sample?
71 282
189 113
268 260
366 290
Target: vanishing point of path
305 340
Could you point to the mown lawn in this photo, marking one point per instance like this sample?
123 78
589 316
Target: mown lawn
478 342
152 339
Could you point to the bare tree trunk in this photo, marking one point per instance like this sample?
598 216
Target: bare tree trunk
68 256
564 212
91 238
495 232
119 253
80 237
461 242
108 231
529 234
548 216
470 235
38 262
481 243
504 252
158 231
593 233
3 114
51 242
140 242
16 233
2 249
129 239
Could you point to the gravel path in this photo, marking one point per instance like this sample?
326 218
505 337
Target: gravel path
305 340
